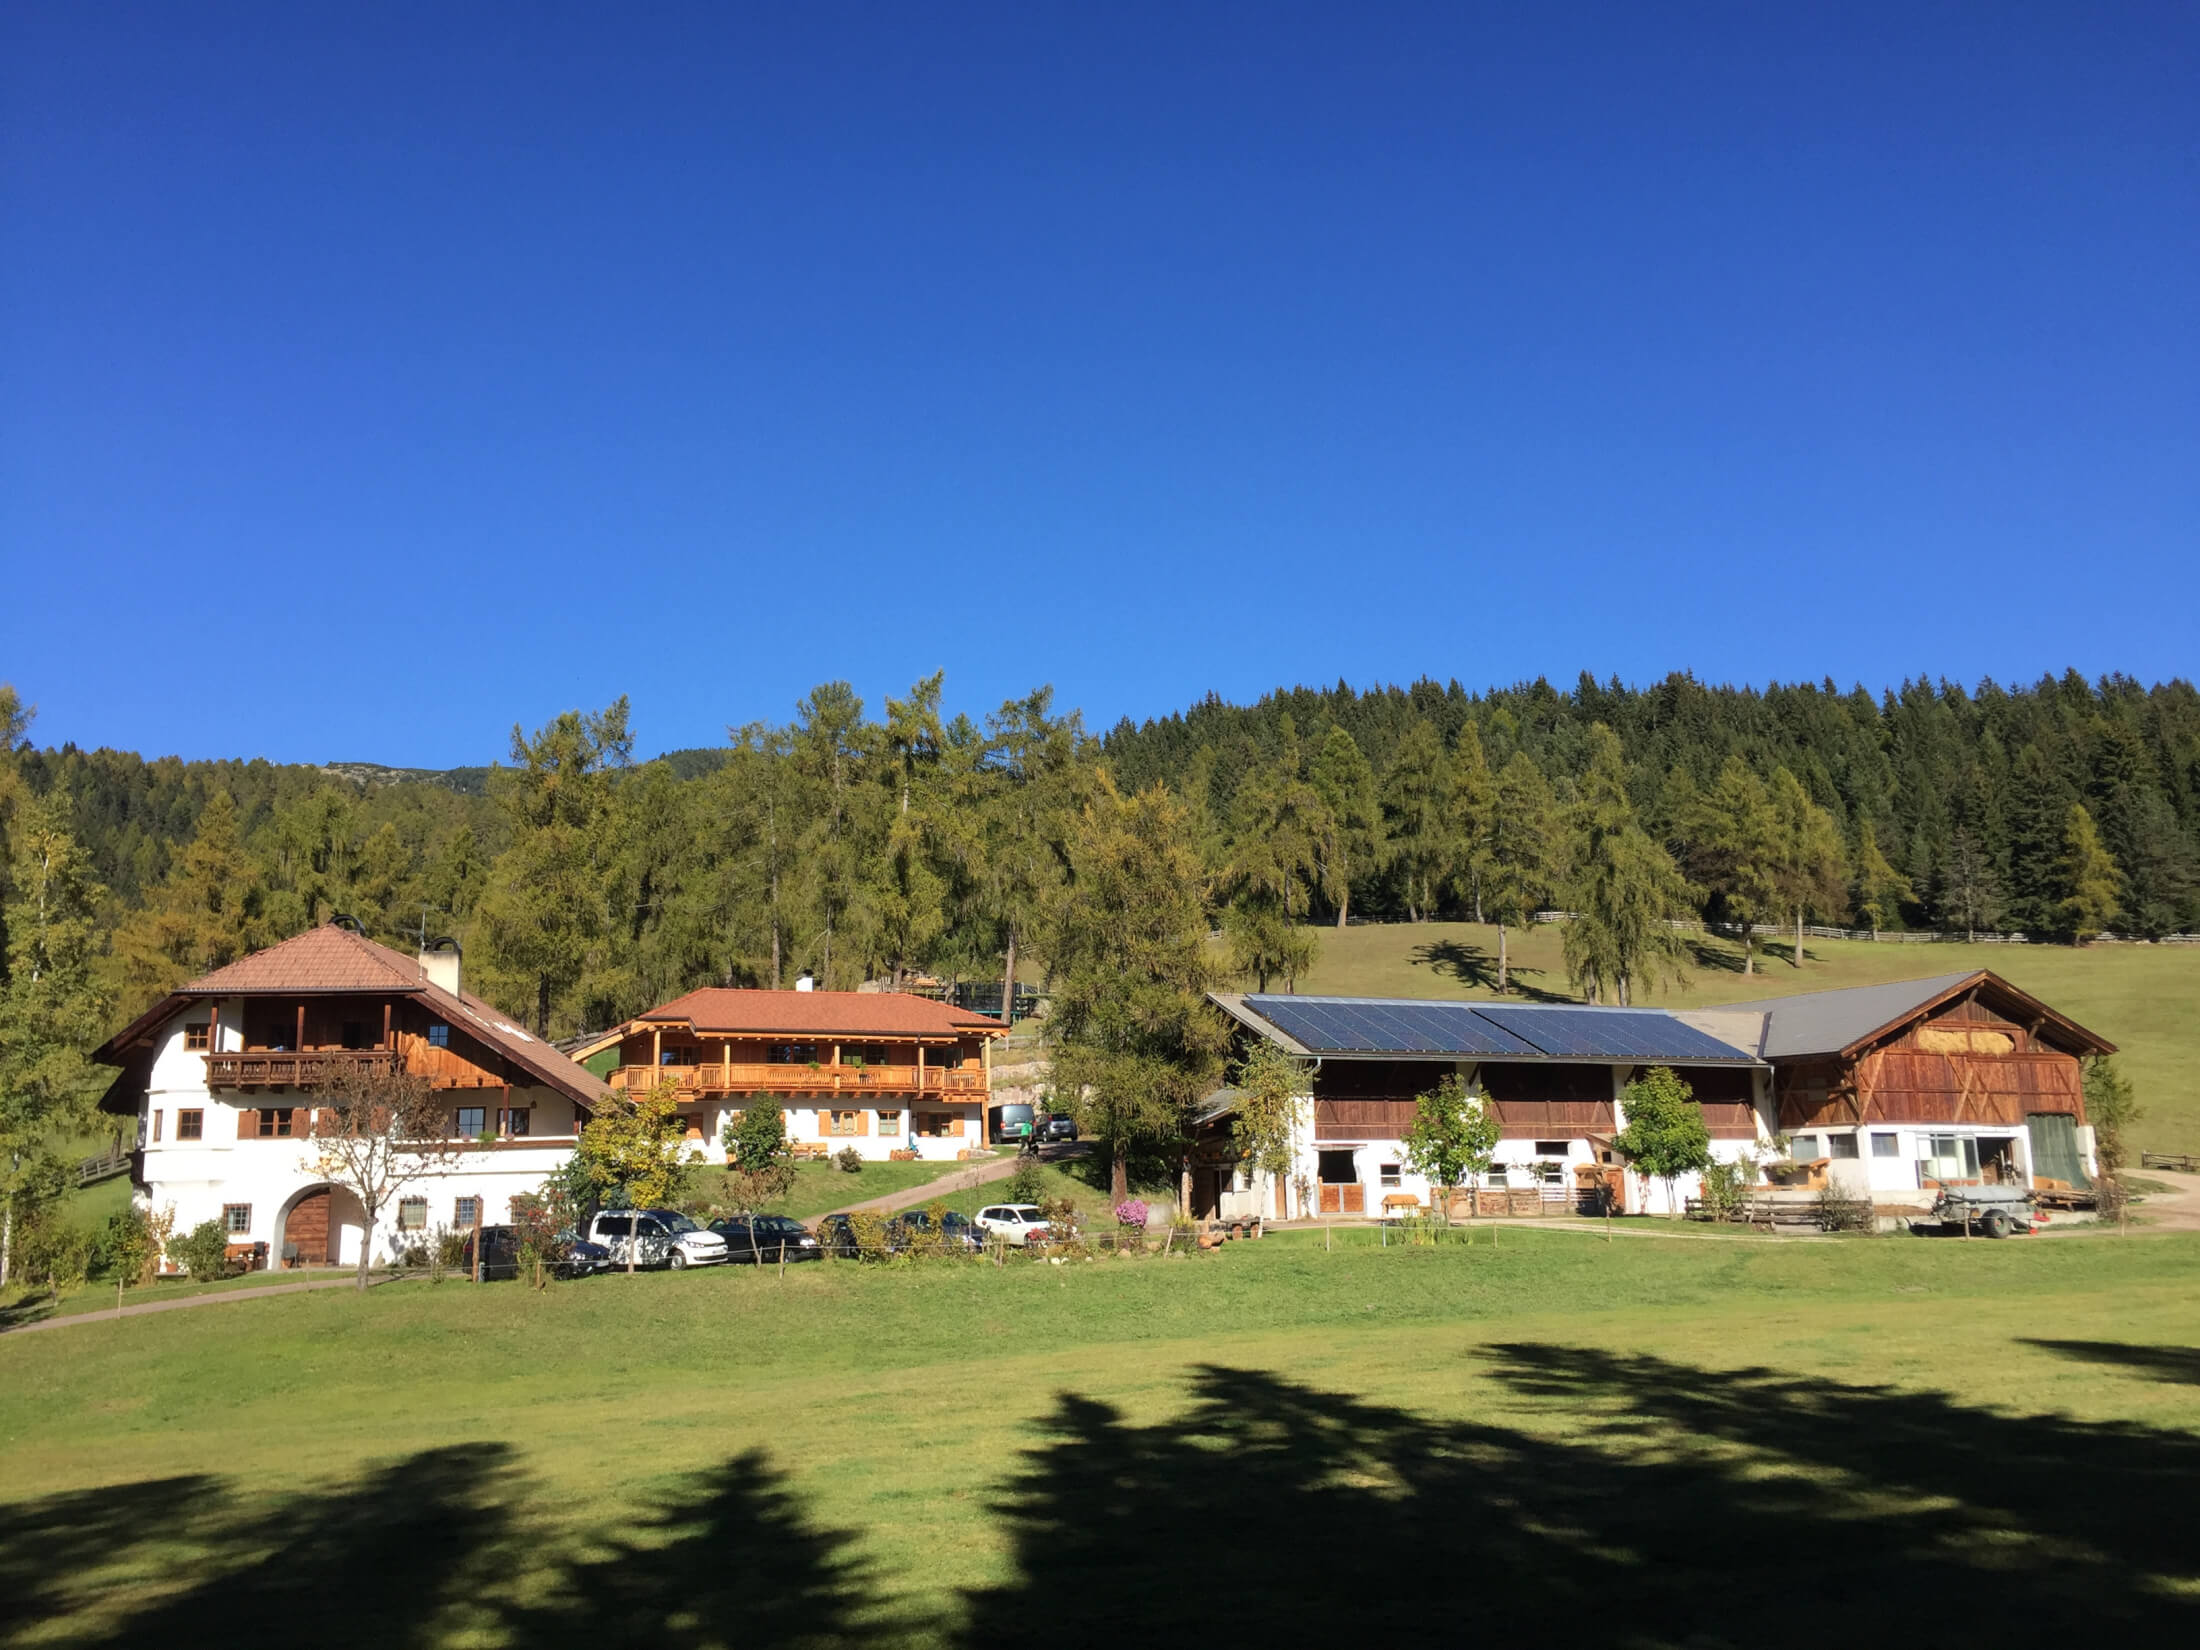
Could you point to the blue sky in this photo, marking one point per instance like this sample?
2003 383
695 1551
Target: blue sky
372 378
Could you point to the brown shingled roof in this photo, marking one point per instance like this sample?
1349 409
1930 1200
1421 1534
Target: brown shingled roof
721 1011
333 959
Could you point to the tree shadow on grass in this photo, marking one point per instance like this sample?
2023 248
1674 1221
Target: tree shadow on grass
1678 1507
1472 966
2165 1363
445 1543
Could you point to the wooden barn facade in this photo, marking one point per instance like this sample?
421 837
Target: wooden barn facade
1958 1077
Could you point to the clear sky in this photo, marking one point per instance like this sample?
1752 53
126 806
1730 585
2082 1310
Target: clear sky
373 377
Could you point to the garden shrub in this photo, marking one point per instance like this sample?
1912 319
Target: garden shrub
1028 1184
848 1160
203 1251
874 1240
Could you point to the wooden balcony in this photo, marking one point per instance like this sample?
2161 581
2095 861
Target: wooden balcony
273 1069
898 1082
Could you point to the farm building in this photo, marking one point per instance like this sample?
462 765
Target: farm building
220 1076
1959 1077
1552 1074
1895 1088
878 1071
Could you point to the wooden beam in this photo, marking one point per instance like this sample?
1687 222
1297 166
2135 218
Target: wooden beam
386 1043
298 1045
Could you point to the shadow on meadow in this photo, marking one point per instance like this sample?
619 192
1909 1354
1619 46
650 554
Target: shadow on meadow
1630 1498
1472 966
2180 1364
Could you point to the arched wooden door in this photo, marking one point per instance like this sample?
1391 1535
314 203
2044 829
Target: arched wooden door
308 1239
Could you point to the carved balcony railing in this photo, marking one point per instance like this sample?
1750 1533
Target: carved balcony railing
275 1069
823 1078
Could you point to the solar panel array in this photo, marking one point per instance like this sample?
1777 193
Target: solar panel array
1345 1025
1358 1025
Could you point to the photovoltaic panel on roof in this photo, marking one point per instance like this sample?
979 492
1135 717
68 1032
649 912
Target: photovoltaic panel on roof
1609 1034
1335 1025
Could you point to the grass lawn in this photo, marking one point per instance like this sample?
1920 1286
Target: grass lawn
819 1187
1278 1443
2143 998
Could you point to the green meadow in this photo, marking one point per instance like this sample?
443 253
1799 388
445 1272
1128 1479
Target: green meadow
1654 1438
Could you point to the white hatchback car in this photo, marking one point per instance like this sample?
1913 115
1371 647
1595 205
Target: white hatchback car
1017 1222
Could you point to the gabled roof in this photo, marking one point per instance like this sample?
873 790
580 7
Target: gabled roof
332 961
720 1011
1840 1022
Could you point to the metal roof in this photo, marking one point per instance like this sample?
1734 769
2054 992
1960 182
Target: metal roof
1831 1022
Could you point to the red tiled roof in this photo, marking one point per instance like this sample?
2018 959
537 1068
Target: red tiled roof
720 1010
327 958
332 959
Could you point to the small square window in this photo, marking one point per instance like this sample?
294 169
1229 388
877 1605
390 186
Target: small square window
1886 1145
190 1125
1390 1176
513 1121
439 1035
412 1214
237 1218
1803 1148
274 1125
889 1122
1550 1148
472 1120
195 1037
1841 1145
466 1212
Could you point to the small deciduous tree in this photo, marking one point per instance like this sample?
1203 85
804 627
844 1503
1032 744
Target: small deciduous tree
635 1146
1665 1133
375 1131
1876 888
2111 1106
759 1167
1273 1096
1454 1134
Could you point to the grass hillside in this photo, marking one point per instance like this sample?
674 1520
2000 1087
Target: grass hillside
2143 998
1123 1452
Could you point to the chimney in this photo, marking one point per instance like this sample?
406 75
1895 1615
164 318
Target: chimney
805 981
439 960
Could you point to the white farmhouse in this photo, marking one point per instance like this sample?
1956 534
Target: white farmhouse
220 1075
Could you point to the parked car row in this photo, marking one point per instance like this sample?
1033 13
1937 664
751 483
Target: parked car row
666 1238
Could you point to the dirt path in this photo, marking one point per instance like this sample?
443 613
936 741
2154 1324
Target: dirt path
978 1174
2176 1210
220 1297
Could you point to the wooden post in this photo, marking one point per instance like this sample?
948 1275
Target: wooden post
920 1068
386 1025
481 1207
214 1030
656 1051
299 1045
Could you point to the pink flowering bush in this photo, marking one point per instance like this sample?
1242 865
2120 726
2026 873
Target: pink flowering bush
1132 1212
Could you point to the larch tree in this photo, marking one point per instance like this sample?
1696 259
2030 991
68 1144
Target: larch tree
1045 774
832 749
1417 816
1278 824
1134 1041
1729 835
1473 793
1970 892
2092 888
1876 888
1352 842
208 911
1808 865
52 1007
1525 851
545 913
1626 890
